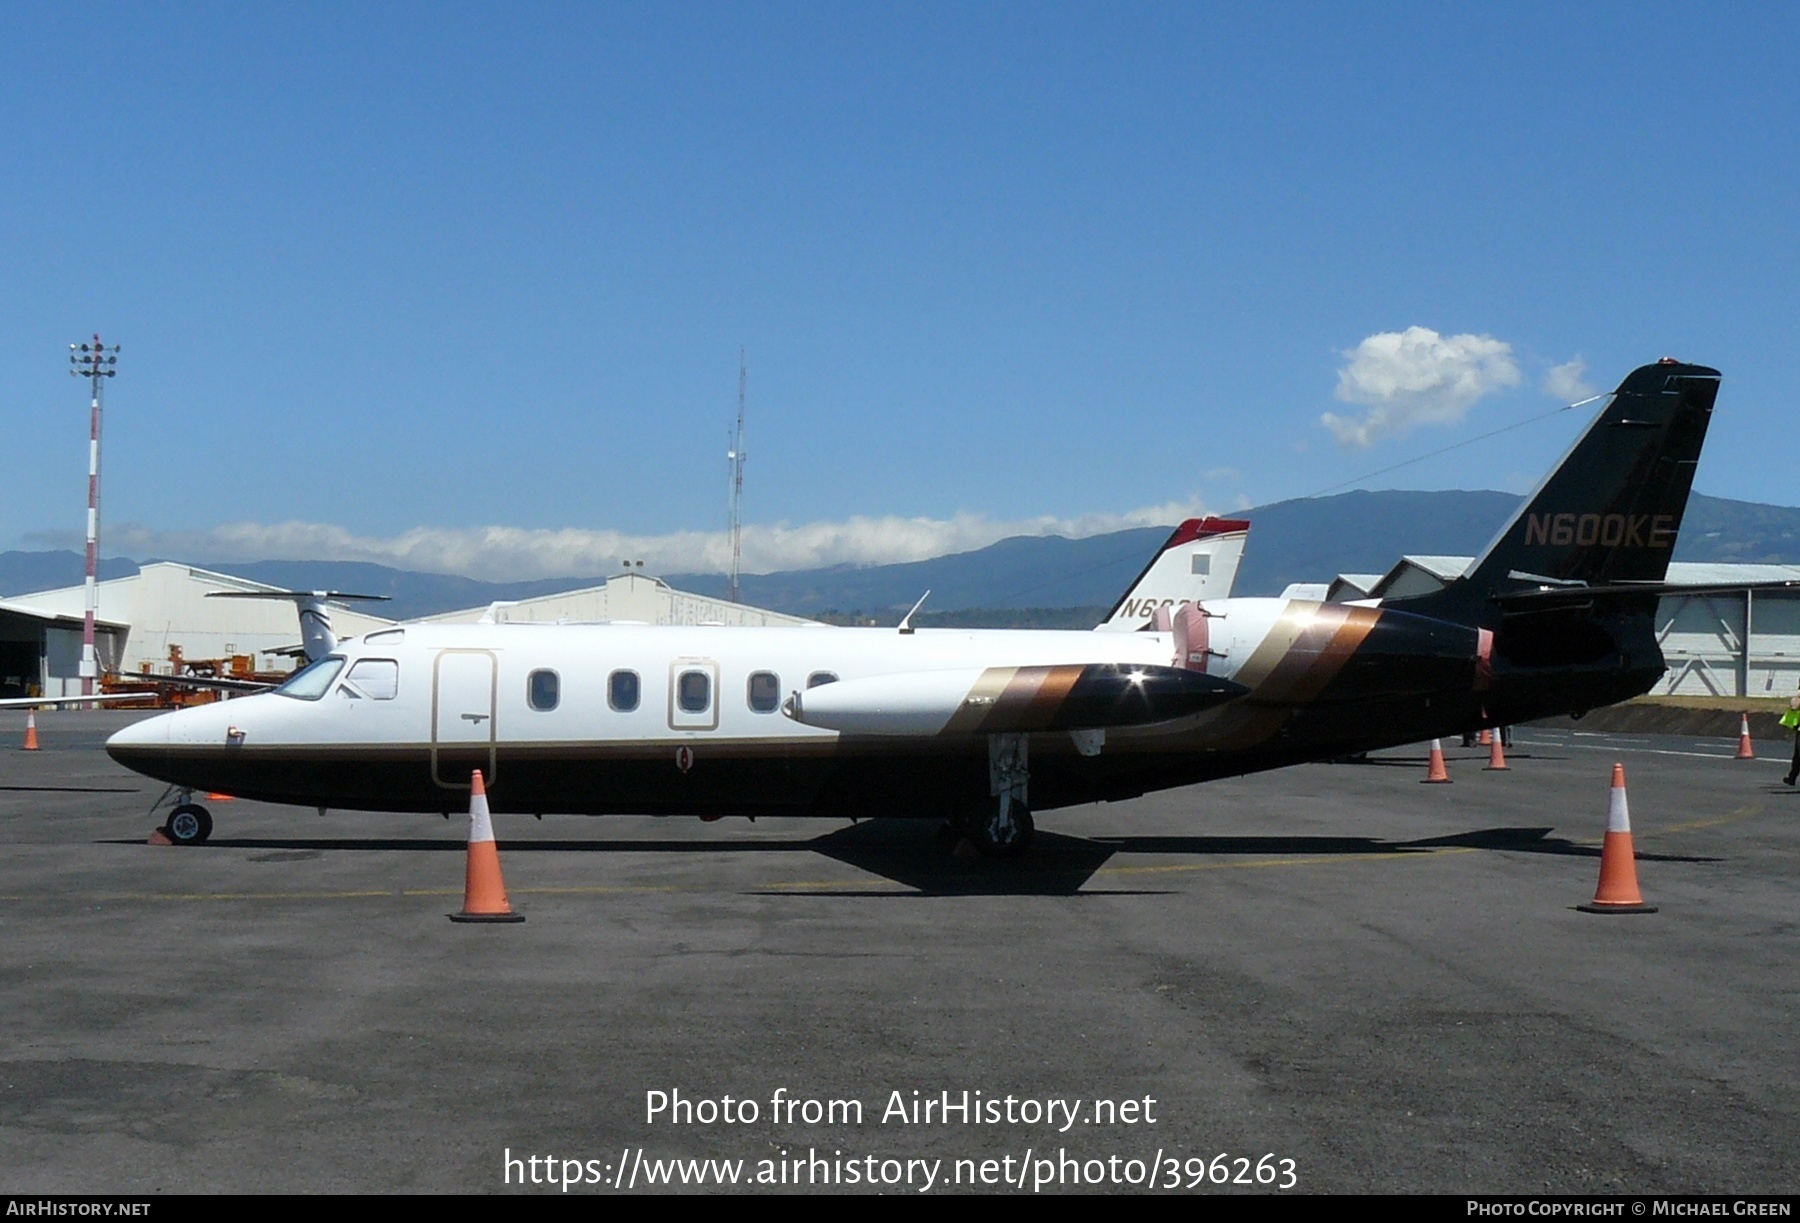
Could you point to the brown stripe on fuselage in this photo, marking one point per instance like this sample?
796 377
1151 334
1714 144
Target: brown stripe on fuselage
1304 649
1049 687
1015 698
1317 654
983 695
1288 628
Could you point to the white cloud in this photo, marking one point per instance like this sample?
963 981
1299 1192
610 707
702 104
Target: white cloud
498 553
1564 381
1416 377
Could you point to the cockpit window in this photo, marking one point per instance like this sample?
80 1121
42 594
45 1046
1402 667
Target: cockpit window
378 678
311 681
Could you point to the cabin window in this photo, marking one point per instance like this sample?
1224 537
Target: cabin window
543 689
818 678
376 678
622 689
765 691
312 681
693 691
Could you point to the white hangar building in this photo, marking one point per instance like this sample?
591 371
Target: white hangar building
40 651
141 616
165 605
1741 643
629 598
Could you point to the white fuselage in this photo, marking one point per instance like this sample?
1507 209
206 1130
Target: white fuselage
620 717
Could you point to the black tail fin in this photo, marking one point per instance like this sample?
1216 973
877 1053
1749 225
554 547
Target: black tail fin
1609 512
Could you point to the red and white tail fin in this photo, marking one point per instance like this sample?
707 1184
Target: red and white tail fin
1199 561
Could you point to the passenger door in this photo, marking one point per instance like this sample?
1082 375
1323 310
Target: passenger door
464 736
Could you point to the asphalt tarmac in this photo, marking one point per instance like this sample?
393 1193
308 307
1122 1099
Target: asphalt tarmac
1344 978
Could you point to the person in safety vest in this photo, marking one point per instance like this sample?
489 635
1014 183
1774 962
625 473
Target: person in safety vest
1791 721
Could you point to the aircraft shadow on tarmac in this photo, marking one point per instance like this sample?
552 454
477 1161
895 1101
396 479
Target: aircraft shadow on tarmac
1451 756
918 854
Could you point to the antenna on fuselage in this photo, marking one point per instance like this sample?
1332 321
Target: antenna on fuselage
906 620
736 455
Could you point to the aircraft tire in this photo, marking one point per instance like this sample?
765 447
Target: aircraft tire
997 841
189 824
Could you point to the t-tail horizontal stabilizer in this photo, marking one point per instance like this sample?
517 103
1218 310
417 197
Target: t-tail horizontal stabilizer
1608 514
316 637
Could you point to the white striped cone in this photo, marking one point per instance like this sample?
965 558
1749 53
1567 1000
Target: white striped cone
484 893
1618 889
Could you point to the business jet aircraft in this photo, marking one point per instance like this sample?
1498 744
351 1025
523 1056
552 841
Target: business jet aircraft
981 727
591 704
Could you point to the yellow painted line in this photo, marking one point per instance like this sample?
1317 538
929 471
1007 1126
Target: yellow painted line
192 896
388 893
621 890
1257 863
797 885
1730 817
827 884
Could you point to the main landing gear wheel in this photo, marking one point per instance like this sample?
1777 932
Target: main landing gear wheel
189 824
1001 828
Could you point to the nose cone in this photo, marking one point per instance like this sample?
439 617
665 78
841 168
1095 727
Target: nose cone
141 744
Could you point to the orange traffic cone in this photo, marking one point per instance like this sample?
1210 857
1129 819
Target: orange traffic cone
1486 737
1435 771
1496 755
1744 752
484 895
1618 890
30 731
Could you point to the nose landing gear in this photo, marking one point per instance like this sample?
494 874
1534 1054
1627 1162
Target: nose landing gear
189 823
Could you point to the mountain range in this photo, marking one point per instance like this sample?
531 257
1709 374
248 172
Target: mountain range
1043 581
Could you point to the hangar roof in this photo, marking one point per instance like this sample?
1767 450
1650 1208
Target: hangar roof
10 607
631 597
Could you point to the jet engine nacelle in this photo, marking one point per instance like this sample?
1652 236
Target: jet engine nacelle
1010 700
1406 654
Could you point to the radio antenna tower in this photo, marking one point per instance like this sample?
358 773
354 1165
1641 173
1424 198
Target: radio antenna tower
93 362
737 455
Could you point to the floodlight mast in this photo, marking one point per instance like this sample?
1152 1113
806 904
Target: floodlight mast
737 455
92 361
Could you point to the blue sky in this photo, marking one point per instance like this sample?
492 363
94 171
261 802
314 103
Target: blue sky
463 287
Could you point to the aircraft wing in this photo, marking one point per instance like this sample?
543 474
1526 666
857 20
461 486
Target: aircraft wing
290 595
215 683
33 702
